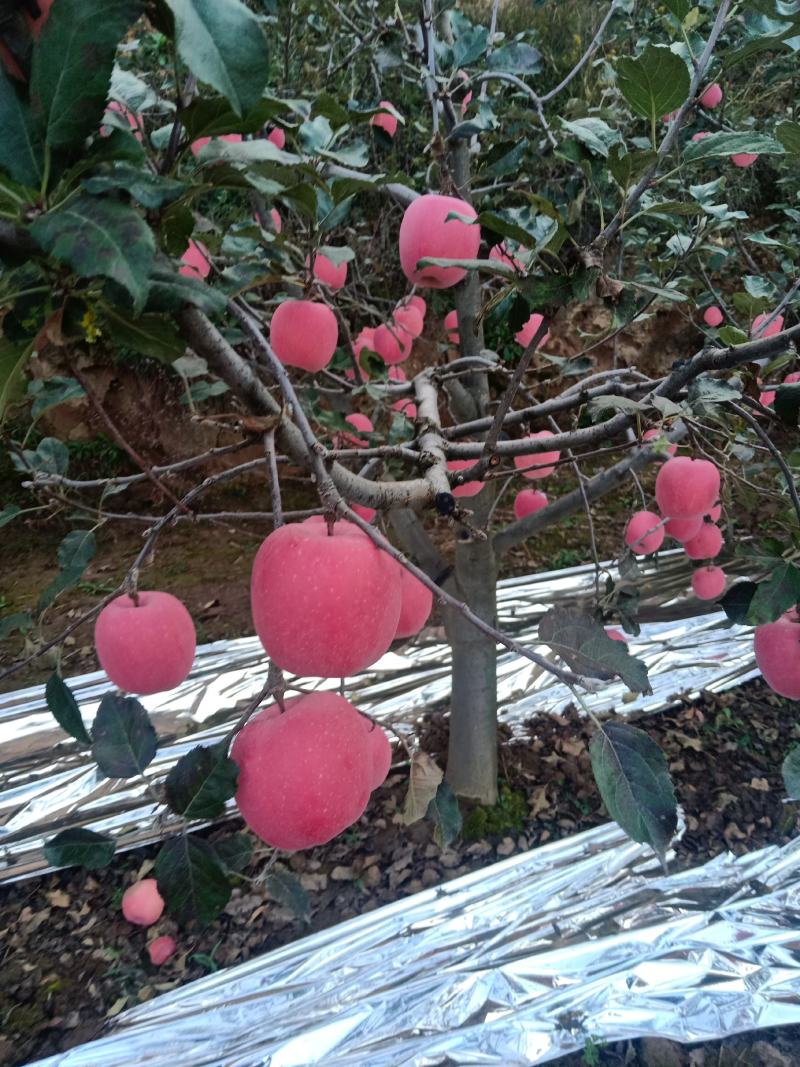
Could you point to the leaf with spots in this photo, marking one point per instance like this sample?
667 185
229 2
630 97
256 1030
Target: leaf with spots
587 649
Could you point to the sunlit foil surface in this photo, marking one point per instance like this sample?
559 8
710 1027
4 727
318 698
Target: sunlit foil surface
514 964
47 783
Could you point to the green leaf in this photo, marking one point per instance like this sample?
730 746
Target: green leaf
149 334
655 84
124 741
72 65
150 190
730 335
20 144
594 133
213 116
632 776
51 457
50 392
169 291
423 781
235 852
77 549
80 848
787 404
736 602
707 390
100 238
790 770
191 879
200 782
286 890
9 513
223 44
470 44
788 133
13 359
65 709
517 57
628 167
776 595
21 621
587 649
679 8
729 144
445 813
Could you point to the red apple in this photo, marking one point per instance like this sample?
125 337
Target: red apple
706 544
712 96
687 487
653 435
196 261
201 142
147 648
142 903
708 583
325 605
526 334
713 316
415 605
744 159
305 774
684 529
408 318
777 649
542 464
616 635
760 330
385 120
304 334
426 233
392 344
162 949
466 488
380 752
277 136
528 502
502 255
418 302
326 271
644 533
451 325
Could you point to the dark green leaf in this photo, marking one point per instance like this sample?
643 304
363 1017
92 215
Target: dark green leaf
150 190
50 392
169 291
730 335
632 776
446 815
13 359
65 709
654 84
469 45
679 8
787 404
77 549
191 879
736 602
20 144
592 132
517 57
707 390
586 648
8 514
791 773
200 782
212 116
21 621
149 334
788 133
100 238
80 848
628 167
729 144
235 852
776 595
222 42
72 65
286 890
51 457
124 741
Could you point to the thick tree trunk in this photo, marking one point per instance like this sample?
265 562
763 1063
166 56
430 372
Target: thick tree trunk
472 752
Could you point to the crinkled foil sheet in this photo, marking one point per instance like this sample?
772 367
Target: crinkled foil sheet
47 783
514 964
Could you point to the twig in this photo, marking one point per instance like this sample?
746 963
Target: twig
791 485
274 483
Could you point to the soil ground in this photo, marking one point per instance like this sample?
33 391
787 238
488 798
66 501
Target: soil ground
71 962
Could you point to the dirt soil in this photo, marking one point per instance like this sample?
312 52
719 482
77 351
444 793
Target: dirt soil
71 962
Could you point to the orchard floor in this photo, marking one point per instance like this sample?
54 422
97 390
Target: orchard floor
70 961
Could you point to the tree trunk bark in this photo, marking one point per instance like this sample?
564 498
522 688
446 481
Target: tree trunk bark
472 751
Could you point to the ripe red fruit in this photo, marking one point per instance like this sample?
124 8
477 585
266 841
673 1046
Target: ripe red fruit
426 233
713 316
277 136
408 318
526 334
541 463
644 533
161 949
708 583
466 488
616 635
405 405
706 544
305 774
715 514
392 344
147 648
324 605
451 325
277 221
380 752
684 529
760 330
712 97
350 440
415 605
418 302
702 135
304 334
686 487
133 120
367 514
326 271
142 903
201 142
777 649
36 23
528 502
744 159
385 120
653 435
196 261
502 255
